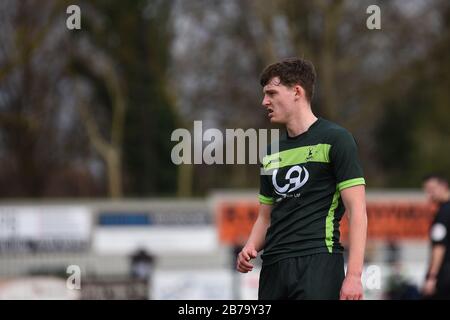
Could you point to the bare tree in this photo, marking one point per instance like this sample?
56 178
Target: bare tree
109 148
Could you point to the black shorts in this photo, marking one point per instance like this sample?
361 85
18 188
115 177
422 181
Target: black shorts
317 277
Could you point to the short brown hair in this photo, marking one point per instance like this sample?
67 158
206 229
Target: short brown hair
292 71
436 175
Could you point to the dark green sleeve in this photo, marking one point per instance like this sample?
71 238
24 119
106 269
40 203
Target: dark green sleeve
265 188
344 160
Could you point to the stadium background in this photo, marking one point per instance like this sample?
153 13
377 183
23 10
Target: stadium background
86 116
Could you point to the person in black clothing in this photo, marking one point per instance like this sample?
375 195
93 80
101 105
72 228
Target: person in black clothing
437 282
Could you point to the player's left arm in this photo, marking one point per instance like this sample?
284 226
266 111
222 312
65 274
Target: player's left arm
438 236
437 256
355 203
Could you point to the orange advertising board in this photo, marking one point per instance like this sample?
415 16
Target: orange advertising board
387 220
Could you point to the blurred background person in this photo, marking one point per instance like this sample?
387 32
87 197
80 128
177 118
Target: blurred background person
437 282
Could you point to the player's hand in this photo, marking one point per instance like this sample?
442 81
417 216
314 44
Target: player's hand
429 287
351 288
243 261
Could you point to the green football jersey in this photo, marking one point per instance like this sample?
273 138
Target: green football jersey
302 181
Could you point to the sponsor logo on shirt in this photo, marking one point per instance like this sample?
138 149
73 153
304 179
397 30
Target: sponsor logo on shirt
295 178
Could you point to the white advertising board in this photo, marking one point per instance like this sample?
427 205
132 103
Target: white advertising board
155 239
192 285
44 228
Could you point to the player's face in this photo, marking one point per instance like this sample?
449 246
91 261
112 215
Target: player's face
278 101
435 190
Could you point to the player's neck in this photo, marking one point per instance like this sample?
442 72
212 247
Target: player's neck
446 198
301 122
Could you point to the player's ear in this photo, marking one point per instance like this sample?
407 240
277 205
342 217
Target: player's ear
299 92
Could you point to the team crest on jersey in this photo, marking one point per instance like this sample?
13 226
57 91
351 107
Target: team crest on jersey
295 178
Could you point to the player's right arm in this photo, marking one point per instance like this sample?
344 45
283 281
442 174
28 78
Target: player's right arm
255 242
